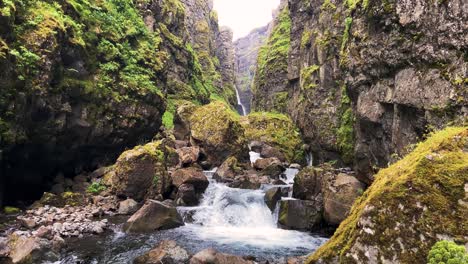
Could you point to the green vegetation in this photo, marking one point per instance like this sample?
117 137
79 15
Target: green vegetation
418 196
305 39
272 57
346 33
447 252
96 188
277 130
328 6
11 210
307 77
345 133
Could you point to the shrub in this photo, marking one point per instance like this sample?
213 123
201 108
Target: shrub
96 188
447 252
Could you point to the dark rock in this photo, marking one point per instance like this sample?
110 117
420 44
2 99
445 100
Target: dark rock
192 176
228 170
300 215
308 183
262 164
154 216
187 196
188 155
272 196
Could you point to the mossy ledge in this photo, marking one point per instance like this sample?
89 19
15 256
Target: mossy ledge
409 207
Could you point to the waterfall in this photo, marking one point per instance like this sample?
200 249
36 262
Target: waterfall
239 102
309 159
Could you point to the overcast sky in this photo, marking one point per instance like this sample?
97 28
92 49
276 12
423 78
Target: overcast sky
244 15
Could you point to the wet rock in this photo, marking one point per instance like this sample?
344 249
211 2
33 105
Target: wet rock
167 252
256 146
245 182
188 155
154 216
262 164
295 166
340 192
271 152
211 256
193 176
27 250
128 206
300 215
187 196
297 260
272 196
228 170
308 183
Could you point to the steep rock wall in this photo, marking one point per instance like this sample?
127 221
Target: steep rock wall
366 79
246 52
82 81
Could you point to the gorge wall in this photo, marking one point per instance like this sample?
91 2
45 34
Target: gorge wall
366 79
82 81
246 50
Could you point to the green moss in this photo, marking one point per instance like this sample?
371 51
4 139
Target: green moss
447 252
277 130
96 188
11 210
272 57
345 39
328 6
305 39
418 196
345 132
307 78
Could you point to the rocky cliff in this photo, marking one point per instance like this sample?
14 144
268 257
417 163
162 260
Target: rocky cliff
81 81
246 50
366 79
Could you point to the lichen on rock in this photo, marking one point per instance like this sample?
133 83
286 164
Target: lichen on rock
411 205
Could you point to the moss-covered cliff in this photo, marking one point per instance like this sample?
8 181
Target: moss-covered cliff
366 79
82 80
410 206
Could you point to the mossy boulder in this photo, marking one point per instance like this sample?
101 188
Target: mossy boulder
410 206
141 172
216 128
277 131
66 198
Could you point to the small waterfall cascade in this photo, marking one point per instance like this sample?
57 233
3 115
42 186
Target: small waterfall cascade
239 103
309 159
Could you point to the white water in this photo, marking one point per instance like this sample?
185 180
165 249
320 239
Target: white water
310 159
244 112
254 156
241 218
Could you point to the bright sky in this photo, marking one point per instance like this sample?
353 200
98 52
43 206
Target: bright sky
244 15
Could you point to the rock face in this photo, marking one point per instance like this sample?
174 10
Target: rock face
154 216
410 206
211 256
272 196
367 79
167 252
270 82
73 98
246 52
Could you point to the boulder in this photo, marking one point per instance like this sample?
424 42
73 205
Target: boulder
211 256
187 196
262 164
26 250
128 206
154 216
272 196
300 215
228 170
66 198
308 183
167 252
410 206
277 133
339 193
193 176
188 155
249 182
140 172
216 129
271 152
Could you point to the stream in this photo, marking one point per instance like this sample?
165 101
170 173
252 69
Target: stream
233 221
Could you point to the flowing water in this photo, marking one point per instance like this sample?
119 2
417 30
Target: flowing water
233 221
239 102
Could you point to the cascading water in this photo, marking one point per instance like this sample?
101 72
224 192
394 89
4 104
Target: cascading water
233 221
239 103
